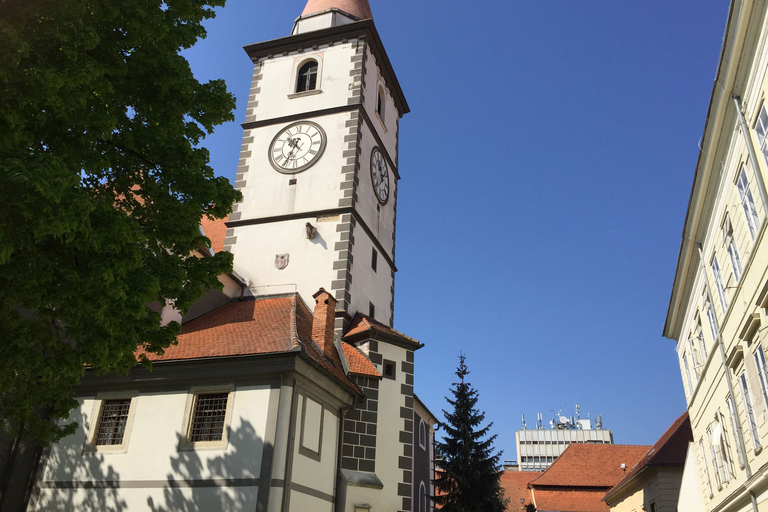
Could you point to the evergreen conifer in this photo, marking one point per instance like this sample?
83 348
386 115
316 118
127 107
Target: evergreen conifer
469 473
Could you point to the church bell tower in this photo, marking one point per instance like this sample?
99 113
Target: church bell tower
318 166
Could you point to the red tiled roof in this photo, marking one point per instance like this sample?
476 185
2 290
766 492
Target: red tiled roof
669 450
358 362
266 325
363 323
515 484
591 465
569 500
215 230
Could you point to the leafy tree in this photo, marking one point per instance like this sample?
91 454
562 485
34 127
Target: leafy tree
469 480
102 188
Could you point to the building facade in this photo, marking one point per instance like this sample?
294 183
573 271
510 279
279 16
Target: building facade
288 390
718 304
538 448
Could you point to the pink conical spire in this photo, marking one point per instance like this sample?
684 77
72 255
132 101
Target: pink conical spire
357 8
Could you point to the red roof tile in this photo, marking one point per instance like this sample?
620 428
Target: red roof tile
569 500
363 323
591 465
515 484
266 325
358 362
215 230
669 450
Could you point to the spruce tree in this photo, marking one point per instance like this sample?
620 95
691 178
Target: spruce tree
468 479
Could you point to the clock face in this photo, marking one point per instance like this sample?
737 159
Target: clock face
297 147
379 176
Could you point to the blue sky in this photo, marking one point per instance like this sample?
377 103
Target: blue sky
546 167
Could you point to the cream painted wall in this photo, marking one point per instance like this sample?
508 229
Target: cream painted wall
152 456
690 498
319 475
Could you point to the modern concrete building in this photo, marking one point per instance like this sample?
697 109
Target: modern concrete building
538 448
717 309
280 395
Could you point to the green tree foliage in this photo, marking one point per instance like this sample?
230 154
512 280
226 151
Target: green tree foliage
102 188
469 480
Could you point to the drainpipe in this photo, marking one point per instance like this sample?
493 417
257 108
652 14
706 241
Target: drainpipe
751 150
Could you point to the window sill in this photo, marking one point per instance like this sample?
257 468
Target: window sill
304 93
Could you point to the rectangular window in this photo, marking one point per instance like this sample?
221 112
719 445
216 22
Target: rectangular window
706 466
735 426
374 259
748 202
208 417
113 421
761 371
695 357
687 372
719 284
762 130
747 397
371 310
712 320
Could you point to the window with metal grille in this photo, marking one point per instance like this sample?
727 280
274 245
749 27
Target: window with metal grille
112 422
307 80
208 417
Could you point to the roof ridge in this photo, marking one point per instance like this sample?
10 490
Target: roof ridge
295 342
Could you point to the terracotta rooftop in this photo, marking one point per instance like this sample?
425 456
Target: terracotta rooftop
569 500
266 325
591 465
515 484
358 8
215 229
358 362
669 450
364 324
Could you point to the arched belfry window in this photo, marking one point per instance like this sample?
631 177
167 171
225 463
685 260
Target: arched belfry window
307 77
380 103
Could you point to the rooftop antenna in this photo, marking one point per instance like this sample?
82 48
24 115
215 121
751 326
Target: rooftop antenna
523 415
539 425
578 411
599 422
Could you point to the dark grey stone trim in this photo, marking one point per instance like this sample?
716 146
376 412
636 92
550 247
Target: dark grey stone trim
311 492
298 117
250 113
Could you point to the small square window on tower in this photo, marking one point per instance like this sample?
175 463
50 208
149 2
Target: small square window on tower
371 310
374 259
390 369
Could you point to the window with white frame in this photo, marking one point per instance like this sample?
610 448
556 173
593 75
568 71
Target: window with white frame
762 130
748 202
699 337
733 251
694 357
711 319
422 497
687 372
735 426
750 410
717 461
703 453
719 284
759 356
422 434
